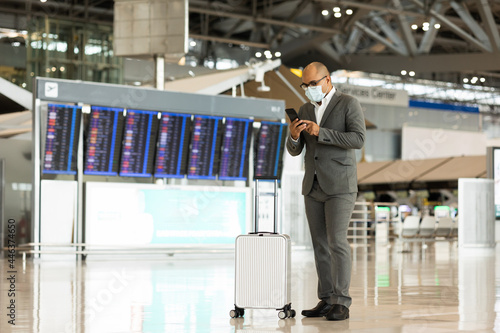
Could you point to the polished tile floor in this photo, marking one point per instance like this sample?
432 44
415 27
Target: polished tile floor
435 288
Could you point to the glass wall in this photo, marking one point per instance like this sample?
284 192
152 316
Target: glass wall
70 50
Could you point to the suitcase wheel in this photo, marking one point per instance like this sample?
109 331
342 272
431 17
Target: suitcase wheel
286 312
237 312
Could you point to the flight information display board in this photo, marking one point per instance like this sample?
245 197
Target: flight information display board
270 143
235 149
205 147
173 145
61 139
139 141
104 137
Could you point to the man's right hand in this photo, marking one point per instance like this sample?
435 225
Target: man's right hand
296 127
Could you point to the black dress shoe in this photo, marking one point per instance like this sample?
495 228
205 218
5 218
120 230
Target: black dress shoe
318 311
338 312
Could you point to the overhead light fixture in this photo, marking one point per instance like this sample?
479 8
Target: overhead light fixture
277 54
336 9
474 80
337 15
414 26
437 26
348 11
324 12
411 73
192 43
43 0
466 80
482 79
403 72
425 28
258 54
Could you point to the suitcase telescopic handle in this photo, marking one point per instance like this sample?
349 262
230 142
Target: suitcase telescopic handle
256 221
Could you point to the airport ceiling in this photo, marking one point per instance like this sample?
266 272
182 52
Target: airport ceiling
461 39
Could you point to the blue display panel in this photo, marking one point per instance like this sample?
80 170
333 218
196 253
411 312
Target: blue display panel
104 137
205 147
139 140
269 147
61 139
235 149
173 145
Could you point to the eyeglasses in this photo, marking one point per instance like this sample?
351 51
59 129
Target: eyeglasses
312 83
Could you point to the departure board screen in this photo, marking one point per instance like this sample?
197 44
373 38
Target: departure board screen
269 149
235 149
61 139
205 147
173 145
104 137
139 141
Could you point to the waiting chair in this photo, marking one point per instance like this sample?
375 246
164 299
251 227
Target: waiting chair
444 226
411 226
427 227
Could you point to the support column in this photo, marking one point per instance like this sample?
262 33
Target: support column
160 72
476 213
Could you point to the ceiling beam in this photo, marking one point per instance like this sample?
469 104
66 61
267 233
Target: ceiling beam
263 20
465 15
353 41
328 50
229 41
431 34
406 32
426 63
489 22
388 31
303 4
454 28
380 39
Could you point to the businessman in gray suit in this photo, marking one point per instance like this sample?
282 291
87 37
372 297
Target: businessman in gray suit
331 127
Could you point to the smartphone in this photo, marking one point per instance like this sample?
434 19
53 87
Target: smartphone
292 114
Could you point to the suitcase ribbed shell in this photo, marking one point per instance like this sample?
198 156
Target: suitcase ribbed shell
262 271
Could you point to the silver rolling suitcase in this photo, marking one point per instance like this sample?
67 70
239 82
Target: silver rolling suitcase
262 267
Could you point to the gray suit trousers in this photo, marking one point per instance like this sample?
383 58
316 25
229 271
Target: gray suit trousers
328 217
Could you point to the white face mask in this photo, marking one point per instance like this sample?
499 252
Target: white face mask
315 94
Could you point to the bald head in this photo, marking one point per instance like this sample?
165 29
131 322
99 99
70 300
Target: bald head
317 68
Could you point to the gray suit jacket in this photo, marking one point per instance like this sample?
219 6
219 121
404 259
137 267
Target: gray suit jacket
331 154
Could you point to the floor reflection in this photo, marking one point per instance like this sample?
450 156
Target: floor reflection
425 288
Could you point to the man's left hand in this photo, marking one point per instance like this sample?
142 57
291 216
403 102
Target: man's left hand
312 128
